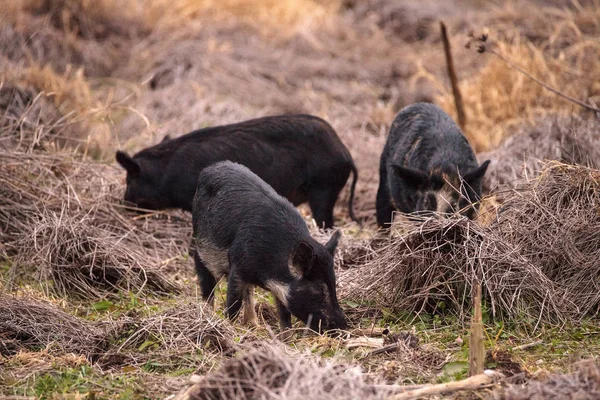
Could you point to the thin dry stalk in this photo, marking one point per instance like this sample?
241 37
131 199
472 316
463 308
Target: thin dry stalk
476 343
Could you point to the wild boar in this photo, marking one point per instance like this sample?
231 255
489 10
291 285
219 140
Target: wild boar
244 230
426 166
300 156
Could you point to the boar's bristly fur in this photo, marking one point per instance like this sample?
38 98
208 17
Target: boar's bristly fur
246 231
427 166
300 156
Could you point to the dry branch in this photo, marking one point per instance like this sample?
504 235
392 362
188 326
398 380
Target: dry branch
476 343
458 101
476 382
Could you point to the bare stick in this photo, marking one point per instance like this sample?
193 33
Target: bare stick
472 383
528 345
458 101
384 349
476 345
542 84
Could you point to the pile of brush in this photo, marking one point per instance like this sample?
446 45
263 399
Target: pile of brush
539 259
167 337
582 384
61 221
271 371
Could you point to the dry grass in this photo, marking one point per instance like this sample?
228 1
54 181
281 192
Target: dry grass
433 266
264 15
187 335
583 384
555 222
59 219
27 323
556 45
271 372
537 260
44 109
570 140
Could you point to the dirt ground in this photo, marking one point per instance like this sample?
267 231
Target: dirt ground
97 301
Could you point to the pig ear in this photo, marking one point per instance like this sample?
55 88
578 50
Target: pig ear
333 242
475 175
166 138
128 163
303 258
411 176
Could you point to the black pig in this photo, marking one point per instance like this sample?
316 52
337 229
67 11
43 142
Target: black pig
300 156
244 230
427 165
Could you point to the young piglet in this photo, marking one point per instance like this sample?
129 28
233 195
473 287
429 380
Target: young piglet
244 230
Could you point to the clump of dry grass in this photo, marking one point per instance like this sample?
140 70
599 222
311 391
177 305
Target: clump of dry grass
174 335
570 140
269 371
41 108
59 219
555 222
538 259
583 384
434 265
27 323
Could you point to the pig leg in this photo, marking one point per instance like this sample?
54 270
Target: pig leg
235 294
383 203
285 317
321 202
207 280
250 317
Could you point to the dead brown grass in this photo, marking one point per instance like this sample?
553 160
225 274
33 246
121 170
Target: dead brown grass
433 266
556 45
186 335
567 139
582 384
537 260
59 219
555 222
33 324
270 371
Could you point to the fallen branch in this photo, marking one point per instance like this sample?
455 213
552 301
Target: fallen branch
384 349
476 382
527 345
371 332
364 342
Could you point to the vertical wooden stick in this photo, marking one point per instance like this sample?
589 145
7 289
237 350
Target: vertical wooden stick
458 101
476 344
